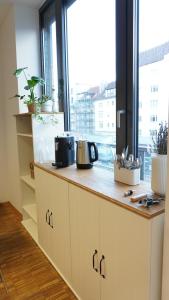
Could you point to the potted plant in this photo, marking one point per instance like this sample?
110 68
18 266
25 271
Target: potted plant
32 82
159 160
45 103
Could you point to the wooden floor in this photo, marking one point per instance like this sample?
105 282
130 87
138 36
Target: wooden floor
25 273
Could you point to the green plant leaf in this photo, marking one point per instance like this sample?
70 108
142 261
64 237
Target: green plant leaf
38 80
27 88
32 83
19 71
16 96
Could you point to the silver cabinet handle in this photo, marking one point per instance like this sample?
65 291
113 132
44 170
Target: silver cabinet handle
93 260
119 113
47 216
101 269
51 220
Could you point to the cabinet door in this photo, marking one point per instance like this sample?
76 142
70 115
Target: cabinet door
58 194
52 194
43 212
84 217
125 244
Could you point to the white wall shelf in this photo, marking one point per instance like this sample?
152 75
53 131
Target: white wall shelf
29 181
29 135
31 227
30 209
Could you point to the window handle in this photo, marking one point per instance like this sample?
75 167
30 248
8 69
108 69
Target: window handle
119 113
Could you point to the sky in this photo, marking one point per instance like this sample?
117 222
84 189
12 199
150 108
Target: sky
91 41
91 37
154 23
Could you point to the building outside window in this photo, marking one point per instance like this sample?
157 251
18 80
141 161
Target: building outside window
154 104
153 118
154 88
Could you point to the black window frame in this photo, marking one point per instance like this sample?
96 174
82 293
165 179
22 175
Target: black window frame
127 57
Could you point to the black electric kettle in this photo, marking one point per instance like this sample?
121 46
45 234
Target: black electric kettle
86 154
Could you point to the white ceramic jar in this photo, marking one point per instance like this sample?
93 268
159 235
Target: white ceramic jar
159 174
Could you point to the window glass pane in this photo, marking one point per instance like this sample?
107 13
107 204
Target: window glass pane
153 74
91 65
50 52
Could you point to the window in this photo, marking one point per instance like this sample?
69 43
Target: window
153 118
154 104
153 132
101 70
89 74
100 124
153 66
154 88
48 41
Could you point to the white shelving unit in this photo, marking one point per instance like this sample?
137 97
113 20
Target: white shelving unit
25 135
35 141
29 181
30 209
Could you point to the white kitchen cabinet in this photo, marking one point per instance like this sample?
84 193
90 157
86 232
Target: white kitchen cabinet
53 220
84 221
129 250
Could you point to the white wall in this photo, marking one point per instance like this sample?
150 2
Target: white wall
27 43
2 136
19 46
9 107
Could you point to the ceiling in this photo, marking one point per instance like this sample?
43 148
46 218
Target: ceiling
4 5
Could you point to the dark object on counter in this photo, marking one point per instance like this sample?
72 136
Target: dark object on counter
64 151
149 201
86 154
128 193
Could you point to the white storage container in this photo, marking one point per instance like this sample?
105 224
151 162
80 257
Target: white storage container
130 177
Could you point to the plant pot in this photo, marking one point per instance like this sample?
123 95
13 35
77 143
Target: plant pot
159 174
47 106
31 108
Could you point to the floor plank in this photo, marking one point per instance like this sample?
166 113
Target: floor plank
25 273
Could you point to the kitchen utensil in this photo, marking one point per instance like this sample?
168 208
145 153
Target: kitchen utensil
86 154
64 151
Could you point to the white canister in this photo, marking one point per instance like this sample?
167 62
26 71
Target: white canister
159 174
47 106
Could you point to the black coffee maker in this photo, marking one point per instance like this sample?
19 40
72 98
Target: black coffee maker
64 151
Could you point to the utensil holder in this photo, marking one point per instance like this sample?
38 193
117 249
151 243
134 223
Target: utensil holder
129 177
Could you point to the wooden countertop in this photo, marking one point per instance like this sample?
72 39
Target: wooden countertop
101 182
